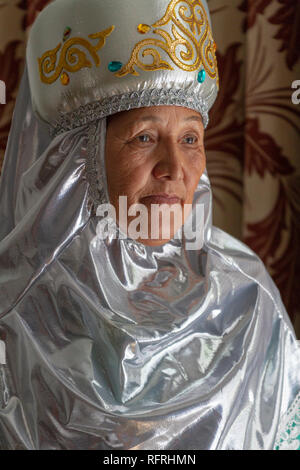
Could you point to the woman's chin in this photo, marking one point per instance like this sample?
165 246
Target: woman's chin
151 235
155 242
161 239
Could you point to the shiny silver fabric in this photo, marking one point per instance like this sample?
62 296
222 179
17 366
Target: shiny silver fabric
114 345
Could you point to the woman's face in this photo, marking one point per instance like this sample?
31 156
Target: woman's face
154 156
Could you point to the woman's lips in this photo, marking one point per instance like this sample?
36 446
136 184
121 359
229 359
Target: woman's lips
161 199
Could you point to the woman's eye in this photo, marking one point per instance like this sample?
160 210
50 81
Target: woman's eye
190 140
144 138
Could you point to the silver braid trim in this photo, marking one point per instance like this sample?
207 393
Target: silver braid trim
90 112
96 186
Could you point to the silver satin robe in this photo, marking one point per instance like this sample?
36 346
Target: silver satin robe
113 345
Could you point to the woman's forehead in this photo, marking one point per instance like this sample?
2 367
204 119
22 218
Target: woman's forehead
157 114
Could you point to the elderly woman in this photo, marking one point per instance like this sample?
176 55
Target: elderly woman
118 329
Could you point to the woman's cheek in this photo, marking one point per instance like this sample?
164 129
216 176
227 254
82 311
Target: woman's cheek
130 184
197 164
194 168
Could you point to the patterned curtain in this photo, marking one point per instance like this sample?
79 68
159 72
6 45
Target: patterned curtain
253 139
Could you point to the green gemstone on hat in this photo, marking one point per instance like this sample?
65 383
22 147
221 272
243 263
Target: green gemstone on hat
67 32
201 76
114 66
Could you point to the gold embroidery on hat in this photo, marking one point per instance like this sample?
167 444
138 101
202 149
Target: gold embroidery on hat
200 51
71 58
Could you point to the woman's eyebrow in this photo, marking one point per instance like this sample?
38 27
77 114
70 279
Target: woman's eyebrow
194 118
151 117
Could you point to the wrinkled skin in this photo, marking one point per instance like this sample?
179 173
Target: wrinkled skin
150 151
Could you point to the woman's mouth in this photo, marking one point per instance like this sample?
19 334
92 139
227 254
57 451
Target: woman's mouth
161 198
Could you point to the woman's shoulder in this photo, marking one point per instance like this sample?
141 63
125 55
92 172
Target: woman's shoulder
238 260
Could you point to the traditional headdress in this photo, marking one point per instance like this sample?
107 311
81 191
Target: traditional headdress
90 59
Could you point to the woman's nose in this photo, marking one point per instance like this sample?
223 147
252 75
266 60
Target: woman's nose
170 164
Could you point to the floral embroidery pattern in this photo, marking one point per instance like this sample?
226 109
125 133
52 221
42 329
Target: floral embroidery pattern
192 31
289 430
70 58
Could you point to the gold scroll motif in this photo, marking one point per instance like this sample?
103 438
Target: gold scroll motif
190 29
71 59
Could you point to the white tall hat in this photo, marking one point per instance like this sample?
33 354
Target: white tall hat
91 58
